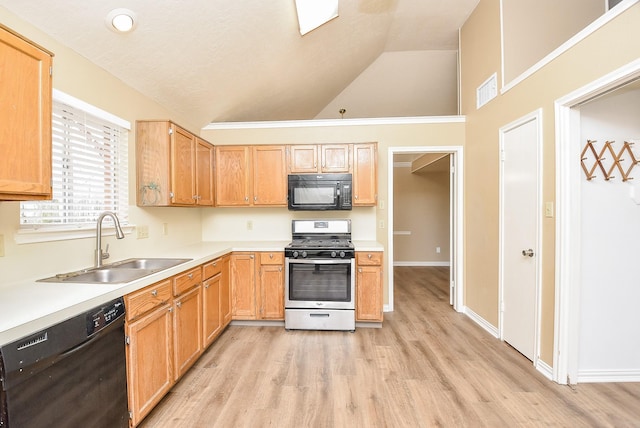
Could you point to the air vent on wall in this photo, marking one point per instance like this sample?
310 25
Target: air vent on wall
487 91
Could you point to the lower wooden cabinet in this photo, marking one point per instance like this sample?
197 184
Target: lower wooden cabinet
149 350
187 330
216 299
369 298
257 286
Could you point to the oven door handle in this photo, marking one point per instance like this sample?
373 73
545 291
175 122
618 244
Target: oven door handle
320 261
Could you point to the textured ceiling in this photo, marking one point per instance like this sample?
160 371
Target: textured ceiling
244 60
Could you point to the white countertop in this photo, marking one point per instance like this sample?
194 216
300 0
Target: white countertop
30 306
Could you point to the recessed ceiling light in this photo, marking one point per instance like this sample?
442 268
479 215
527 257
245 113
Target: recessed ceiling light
121 20
314 13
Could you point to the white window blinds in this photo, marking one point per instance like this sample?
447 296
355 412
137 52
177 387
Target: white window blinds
90 170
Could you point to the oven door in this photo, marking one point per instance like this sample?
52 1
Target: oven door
320 283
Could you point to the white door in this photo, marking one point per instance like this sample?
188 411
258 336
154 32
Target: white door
519 226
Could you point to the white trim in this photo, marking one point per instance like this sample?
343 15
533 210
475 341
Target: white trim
421 264
580 36
609 376
537 117
458 248
335 122
32 236
545 369
486 325
568 243
93 110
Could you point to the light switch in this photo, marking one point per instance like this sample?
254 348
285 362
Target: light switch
548 209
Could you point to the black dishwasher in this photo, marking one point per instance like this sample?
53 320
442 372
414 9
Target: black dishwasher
72 374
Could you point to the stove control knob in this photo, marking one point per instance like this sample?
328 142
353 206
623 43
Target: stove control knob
341 254
304 254
333 254
295 254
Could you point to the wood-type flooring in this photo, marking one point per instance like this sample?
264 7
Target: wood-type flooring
427 367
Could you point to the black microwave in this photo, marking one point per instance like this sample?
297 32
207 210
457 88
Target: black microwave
319 192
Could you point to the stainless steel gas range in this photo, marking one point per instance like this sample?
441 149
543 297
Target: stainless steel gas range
320 276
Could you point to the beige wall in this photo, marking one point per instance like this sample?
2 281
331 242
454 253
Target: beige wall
78 77
607 49
533 29
420 216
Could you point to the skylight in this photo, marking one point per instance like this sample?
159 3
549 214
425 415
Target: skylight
314 13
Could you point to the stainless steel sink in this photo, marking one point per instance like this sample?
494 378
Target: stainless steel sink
150 264
117 273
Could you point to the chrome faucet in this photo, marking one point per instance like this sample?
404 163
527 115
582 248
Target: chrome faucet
100 255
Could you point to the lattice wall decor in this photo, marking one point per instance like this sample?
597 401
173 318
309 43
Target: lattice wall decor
607 160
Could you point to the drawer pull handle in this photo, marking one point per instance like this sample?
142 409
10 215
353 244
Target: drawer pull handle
154 293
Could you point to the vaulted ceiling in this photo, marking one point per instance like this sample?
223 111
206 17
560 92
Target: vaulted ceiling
244 60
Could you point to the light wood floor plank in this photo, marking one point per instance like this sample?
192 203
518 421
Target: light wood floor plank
427 367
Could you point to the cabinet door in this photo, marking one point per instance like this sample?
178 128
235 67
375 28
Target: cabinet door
369 293
269 175
336 158
152 163
182 167
232 175
25 115
204 173
211 314
303 159
365 174
187 330
243 286
225 291
149 361
272 292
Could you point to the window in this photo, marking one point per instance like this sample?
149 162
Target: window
90 169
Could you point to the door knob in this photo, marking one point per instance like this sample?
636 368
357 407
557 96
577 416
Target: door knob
528 252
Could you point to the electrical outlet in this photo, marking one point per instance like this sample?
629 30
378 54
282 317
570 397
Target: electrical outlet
438 250
165 228
143 232
381 224
1 245
249 225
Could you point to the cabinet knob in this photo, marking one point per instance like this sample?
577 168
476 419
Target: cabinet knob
154 293
360 270
255 198
178 304
270 255
206 286
190 276
246 198
369 256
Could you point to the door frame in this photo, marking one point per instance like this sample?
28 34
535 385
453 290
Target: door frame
537 117
456 219
568 242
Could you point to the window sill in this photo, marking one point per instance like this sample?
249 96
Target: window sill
32 236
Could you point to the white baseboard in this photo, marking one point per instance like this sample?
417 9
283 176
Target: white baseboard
545 369
481 322
422 264
593 376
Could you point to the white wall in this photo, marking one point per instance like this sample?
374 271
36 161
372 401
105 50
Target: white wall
610 285
415 83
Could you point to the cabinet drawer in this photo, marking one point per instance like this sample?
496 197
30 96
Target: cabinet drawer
142 301
211 269
186 280
371 259
276 258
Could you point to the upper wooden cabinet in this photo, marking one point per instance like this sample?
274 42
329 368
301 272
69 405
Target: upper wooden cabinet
251 176
25 114
333 158
174 167
365 174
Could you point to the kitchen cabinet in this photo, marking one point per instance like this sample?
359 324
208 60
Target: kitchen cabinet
243 286
187 320
251 176
334 158
213 298
173 166
225 290
257 286
149 352
365 174
369 299
25 114
271 286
